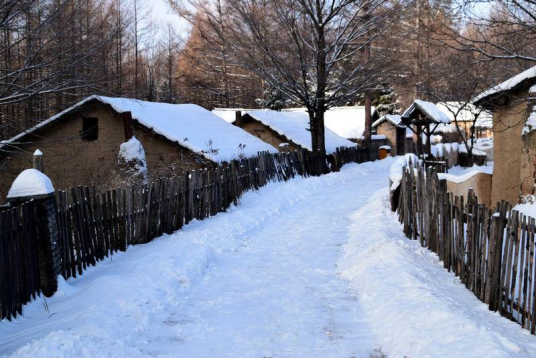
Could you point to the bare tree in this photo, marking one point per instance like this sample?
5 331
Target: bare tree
506 32
49 53
313 52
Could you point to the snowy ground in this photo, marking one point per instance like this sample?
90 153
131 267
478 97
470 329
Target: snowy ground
312 267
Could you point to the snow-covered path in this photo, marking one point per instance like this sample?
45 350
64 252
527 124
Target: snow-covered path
311 267
258 281
280 294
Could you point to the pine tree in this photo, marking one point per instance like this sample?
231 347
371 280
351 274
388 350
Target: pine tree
386 101
272 99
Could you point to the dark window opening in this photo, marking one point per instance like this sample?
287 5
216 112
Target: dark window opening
90 128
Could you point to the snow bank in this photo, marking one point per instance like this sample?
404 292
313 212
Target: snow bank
417 308
507 85
29 183
293 125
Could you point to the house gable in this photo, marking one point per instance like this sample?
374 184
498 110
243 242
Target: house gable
267 134
70 160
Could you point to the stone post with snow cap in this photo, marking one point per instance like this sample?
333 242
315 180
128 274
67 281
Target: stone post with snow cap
32 184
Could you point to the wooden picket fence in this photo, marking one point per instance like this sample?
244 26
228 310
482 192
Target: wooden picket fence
491 251
19 271
93 226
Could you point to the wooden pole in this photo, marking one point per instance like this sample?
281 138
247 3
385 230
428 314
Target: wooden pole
419 140
127 125
428 140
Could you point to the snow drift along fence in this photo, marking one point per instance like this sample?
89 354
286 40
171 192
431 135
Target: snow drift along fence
92 226
491 251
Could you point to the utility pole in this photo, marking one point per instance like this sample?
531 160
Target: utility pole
368 96
418 59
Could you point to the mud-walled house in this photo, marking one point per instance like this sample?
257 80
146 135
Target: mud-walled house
397 137
472 120
513 103
283 130
87 143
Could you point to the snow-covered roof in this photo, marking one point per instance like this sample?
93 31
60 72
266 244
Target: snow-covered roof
229 114
508 85
348 122
430 110
31 182
446 128
467 113
395 119
293 125
191 126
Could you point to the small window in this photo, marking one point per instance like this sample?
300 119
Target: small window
90 128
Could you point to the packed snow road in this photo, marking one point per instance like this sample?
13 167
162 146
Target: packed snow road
311 267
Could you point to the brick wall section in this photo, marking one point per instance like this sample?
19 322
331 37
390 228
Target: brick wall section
389 130
69 161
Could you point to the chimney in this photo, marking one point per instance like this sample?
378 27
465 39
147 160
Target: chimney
127 124
238 119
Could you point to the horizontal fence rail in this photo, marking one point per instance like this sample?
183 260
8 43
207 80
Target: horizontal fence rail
491 251
92 226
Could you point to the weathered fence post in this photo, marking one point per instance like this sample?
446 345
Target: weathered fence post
32 184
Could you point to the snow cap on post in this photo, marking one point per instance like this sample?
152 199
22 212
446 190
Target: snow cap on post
38 160
30 183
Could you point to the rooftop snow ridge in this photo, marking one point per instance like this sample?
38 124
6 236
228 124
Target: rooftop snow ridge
294 126
507 85
189 125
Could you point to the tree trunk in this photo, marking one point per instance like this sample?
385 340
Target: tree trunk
320 105
313 128
368 120
321 145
